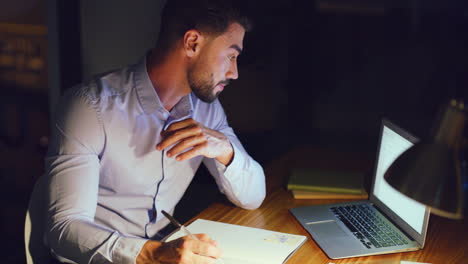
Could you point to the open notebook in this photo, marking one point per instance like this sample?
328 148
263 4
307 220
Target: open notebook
246 245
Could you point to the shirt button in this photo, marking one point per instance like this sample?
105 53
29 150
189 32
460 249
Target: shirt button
163 114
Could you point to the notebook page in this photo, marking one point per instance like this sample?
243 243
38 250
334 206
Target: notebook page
246 245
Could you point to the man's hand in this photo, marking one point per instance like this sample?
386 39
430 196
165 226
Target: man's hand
184 250
191 139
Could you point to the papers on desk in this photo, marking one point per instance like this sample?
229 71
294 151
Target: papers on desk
246 245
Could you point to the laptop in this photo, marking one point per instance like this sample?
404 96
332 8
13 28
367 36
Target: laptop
388 222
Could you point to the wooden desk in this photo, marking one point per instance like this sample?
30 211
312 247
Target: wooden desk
446 243
447 240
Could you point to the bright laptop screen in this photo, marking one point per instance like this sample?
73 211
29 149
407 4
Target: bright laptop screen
412 212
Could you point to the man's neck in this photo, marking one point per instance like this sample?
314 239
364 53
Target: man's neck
169 77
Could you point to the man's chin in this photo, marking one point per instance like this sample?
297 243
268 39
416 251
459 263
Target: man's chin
213 98
208 99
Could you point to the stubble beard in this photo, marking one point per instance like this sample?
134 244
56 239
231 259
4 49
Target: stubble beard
202 87
202 82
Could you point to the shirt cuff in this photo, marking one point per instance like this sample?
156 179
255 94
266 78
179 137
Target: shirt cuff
128 249
234 166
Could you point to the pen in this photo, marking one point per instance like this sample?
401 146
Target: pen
176 223
185 230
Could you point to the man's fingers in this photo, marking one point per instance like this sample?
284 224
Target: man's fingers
206 238
198 258
179 125
206 247
185 144
187 250
170 138
195 151
190 255
188 139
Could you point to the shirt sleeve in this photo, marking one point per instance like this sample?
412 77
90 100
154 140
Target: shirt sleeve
243 180
72 168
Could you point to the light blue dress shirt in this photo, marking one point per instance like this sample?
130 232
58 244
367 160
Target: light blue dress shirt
107 183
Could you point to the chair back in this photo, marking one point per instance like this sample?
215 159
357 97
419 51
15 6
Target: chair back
36 250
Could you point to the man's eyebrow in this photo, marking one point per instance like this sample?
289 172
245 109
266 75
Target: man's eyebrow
236 47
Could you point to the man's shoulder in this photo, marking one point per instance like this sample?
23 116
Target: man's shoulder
111 83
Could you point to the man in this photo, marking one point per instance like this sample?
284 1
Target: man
128 143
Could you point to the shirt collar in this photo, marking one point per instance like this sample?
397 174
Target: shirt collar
149 99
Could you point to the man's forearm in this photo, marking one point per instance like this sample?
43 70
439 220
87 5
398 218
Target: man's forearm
243 181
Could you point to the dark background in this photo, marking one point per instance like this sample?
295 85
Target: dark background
320 73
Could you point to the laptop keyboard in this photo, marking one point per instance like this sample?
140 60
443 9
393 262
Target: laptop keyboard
368 226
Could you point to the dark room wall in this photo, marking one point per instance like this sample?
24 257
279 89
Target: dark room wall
116 33
23 115
315 72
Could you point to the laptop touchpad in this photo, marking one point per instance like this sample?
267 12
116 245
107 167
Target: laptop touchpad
327 229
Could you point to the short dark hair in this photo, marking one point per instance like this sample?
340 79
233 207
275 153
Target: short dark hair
208 16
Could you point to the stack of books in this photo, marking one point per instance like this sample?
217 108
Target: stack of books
311 183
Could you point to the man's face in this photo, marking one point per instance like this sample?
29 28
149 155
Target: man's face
216 64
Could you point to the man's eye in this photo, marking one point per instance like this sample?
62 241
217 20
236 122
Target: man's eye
232 57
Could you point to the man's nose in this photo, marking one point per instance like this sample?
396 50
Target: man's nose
232 72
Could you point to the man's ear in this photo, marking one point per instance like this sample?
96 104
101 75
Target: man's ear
193 40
